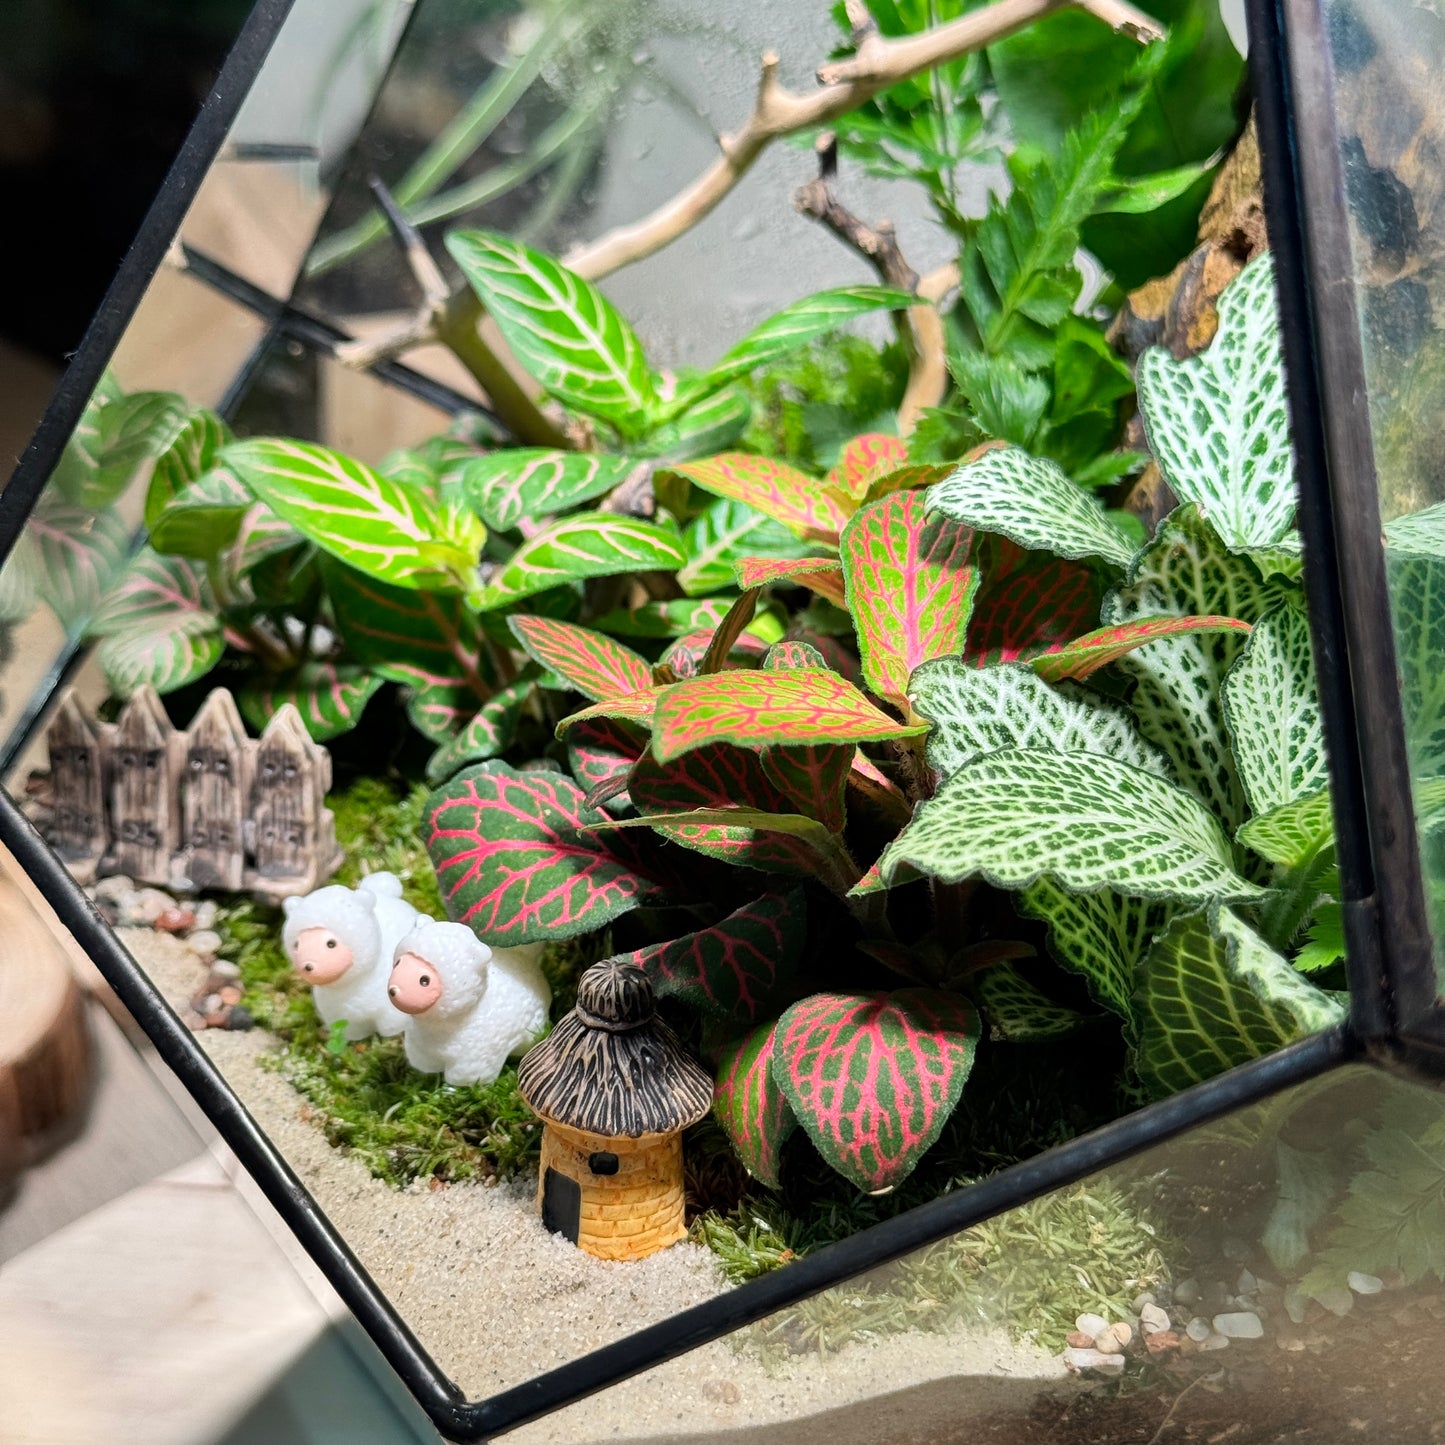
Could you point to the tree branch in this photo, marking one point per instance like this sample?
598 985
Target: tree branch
845 85
920 328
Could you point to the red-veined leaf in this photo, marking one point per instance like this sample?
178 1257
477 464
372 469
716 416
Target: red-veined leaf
873 880
634 705
789 655
834 654
910 588
812 778
595 665
517 859
876 790
819 574
874 1077
750 1105
1029 601
804 505
1087 654
733 968
913 477
685 657
866 457
755 709
603 750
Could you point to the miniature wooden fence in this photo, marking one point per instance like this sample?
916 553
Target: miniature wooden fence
206 808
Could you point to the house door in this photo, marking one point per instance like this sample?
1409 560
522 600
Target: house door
561 1205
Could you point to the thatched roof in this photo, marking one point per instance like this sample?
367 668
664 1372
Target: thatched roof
612 1067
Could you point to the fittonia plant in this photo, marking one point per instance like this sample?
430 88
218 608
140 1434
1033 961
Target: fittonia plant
1123 741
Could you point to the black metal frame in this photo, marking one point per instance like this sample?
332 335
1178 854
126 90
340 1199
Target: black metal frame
1392 980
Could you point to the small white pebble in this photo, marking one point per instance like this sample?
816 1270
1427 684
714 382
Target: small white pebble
1091 1325
205 942
1198 1329
1153 1320
1364 1283
1077 1359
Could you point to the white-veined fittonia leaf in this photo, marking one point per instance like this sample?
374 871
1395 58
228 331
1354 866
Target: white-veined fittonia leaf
1417 603
1218 423
1293 833
565 332
1187 571
1032 502
1019 815
1213 994
1420 534
977 710
1019 1010
1273 713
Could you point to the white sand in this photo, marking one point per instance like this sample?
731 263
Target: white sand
497 1301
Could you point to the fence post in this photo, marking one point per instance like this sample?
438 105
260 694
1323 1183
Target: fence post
77 828
217 782
292 832
146 761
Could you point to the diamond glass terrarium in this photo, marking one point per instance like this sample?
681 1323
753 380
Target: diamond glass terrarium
943 675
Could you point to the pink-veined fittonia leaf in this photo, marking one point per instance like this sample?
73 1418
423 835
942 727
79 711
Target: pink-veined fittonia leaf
158 626
910 588
913 477
685 657
1086 655
1029 601
819 574
761 708
76 556
750 1105
639 705
603 750
862 459
874 1077
806 506
877 791
812 777
518 860
733 968
330 698
595 665
488 733
735 811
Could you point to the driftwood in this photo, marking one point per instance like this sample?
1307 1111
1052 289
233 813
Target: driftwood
206 808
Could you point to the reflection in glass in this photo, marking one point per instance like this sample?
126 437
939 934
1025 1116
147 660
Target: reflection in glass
1278 1260
1388 60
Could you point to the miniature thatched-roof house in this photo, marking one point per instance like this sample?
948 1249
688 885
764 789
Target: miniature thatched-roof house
615 1088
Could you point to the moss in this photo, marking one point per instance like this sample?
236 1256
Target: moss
1091 1247
364 1096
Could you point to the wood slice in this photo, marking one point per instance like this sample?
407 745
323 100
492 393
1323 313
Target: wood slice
46 1063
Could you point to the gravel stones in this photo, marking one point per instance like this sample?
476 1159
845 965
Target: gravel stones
1153 1319
205 942
176 920
1239 1325
1091 1325
1198 1329
1077 1359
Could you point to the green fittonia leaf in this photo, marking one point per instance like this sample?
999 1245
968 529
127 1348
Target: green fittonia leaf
488 733
1417 603
389 531
1218 423
561 328
1030 501
1273 713
192 453
1088 821
587 544
506 486
204 517
1420 534
74 557
910 588
1101 936
721 535
1186 571
329 698
977 710
1019 1011
1294 832
1212 994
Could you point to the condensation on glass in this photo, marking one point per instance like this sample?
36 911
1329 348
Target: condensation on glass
1388 62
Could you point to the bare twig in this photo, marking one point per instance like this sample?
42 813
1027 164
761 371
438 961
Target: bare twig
920 327
844 86
1158 1435
445 319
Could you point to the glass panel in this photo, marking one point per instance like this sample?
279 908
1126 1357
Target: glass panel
1388 61
1291 1252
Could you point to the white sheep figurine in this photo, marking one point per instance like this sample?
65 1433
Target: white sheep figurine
471 1007
341 941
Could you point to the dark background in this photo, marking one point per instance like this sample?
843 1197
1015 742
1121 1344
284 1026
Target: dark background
96 97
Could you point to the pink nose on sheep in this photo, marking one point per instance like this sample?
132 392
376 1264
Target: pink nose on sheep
415 984
321 957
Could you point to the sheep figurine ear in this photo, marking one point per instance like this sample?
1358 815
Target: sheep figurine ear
381 885
422 919
290 905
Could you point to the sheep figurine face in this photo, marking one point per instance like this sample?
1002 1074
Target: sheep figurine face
468 1009
340 940
447 978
